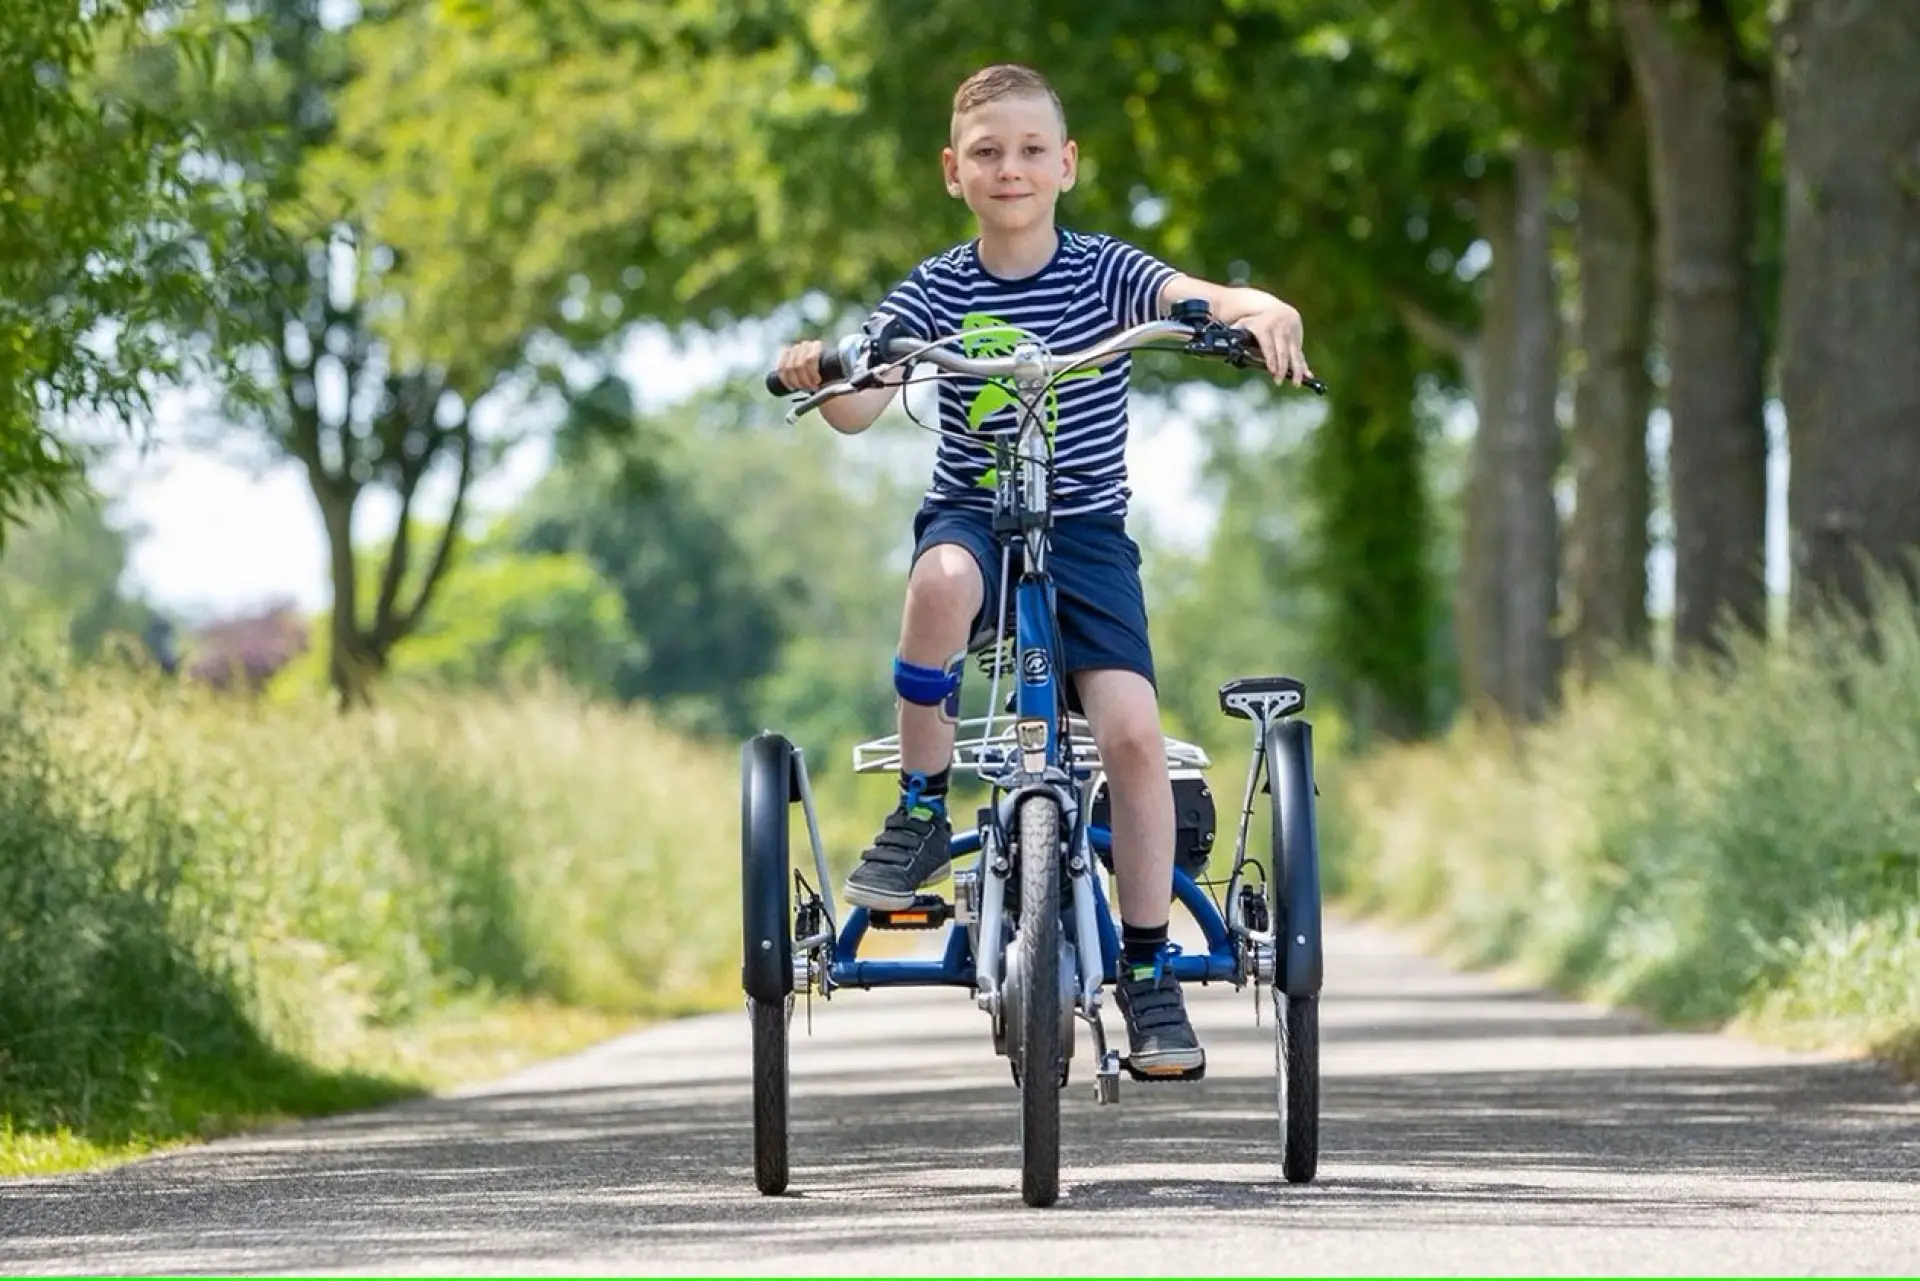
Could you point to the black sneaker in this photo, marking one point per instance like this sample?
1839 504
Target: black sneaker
912 850
1159 1034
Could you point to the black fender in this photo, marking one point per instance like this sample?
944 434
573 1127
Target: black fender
766 791
1299 966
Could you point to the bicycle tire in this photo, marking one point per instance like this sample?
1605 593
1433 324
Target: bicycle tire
1037 946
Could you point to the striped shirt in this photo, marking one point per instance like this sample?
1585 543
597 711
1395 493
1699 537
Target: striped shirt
1093 287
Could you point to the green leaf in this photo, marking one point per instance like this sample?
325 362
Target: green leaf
984 335
993 397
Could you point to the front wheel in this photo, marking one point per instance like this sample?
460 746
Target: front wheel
1037 958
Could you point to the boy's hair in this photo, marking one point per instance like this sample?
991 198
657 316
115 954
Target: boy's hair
1003 80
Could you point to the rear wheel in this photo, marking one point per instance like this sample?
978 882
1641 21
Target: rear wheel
766 969
769 1094
1296 1053
1037 957
1294 908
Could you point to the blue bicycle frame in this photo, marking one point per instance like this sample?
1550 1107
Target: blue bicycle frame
955 968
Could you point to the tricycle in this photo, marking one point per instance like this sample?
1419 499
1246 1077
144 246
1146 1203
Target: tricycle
1029 931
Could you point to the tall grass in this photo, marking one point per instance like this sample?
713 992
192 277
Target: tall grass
1740 844
188 883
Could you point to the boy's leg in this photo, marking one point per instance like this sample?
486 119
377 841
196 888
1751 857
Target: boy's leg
1125 716
1103 635
944 593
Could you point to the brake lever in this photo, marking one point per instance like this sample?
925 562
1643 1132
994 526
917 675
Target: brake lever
1219 340
807 404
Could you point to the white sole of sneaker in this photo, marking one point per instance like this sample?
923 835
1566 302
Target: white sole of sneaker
1169 1062
876 900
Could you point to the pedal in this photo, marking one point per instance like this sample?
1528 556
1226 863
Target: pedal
1166 1075
1106 1078
929 912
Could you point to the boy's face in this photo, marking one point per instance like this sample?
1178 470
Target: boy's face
1010 162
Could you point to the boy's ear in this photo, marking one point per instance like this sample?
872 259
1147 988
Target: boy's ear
950 171
1070 164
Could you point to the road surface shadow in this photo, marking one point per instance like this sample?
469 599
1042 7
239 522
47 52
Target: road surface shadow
883 1161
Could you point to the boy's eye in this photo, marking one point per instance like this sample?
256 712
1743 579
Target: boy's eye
1034 149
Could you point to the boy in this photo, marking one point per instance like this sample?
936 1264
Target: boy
1009 158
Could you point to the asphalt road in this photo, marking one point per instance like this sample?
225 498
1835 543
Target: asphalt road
1466 1128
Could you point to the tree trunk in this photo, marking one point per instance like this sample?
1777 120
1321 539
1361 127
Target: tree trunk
1607 539
1705 108
1479 605
1511 559
1850 309
349 669
1530 449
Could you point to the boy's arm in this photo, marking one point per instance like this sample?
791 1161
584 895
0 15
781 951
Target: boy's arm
1275 325
908 309
852 414
798 368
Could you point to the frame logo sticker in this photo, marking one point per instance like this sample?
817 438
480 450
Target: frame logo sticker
1034 666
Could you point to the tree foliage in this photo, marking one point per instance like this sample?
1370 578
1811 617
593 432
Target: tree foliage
110 233
508 618
749 564
1240 141
60 577
468 192
573 167
357 410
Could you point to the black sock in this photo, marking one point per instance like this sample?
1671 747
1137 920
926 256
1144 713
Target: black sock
1140 945
928 789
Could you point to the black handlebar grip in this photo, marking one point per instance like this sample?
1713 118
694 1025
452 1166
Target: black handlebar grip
832 369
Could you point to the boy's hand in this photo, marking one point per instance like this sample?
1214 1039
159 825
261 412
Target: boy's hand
799 365
1282 337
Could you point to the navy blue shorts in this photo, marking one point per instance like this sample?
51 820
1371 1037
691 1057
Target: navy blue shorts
1095 565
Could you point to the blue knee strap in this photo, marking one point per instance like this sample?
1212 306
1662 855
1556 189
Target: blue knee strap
927 686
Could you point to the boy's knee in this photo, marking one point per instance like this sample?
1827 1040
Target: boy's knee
946 579
1132 746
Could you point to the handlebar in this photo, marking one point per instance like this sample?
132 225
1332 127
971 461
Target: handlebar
833 369
849 365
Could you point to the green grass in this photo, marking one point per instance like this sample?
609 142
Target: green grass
1735 848
214 913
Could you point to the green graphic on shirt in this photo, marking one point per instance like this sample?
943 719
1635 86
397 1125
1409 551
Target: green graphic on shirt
982 335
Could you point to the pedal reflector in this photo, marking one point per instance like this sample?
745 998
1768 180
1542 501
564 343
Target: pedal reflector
929 912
